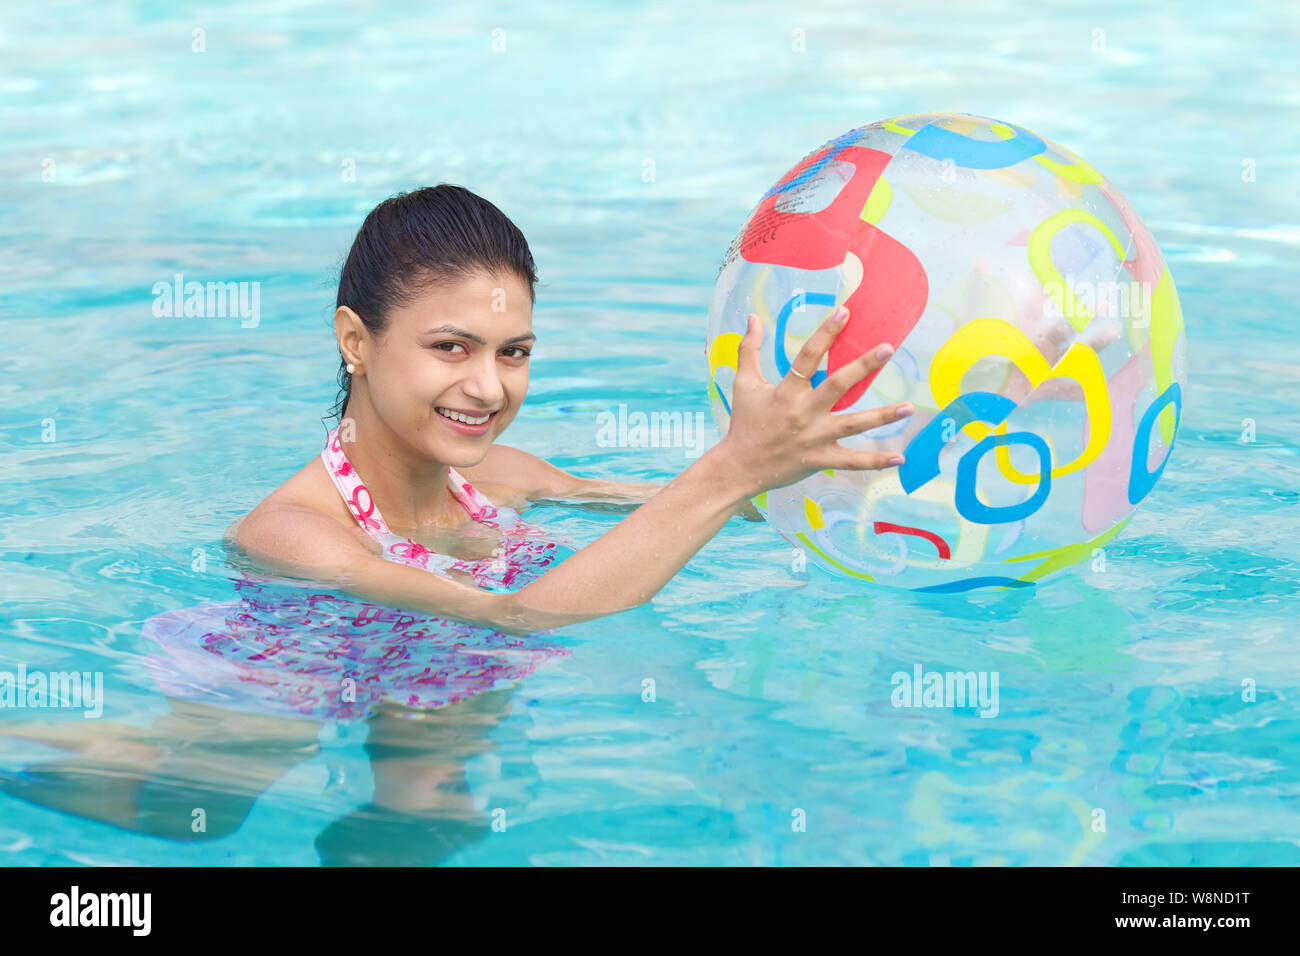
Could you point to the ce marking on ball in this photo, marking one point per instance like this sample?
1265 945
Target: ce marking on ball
761 239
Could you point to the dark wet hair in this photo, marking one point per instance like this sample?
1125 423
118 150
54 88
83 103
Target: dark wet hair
416 239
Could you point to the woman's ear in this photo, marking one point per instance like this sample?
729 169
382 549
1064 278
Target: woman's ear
351 334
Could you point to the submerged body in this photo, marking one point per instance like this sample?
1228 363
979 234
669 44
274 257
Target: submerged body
306 653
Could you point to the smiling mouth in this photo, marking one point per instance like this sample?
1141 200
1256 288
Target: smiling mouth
463 418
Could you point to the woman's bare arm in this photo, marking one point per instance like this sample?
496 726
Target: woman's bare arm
596 494
543 483
301 542
593 494
779 434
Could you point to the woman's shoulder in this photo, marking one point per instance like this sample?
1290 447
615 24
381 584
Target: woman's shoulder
513 477
306 498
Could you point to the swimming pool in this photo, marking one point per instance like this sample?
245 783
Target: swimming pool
749 697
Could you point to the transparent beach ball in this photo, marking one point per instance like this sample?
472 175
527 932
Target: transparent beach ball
1037 333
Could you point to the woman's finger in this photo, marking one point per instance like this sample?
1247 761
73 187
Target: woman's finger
854 423
815 347
846 459
748 363
846 376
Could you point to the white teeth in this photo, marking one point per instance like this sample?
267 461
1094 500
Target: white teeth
457 416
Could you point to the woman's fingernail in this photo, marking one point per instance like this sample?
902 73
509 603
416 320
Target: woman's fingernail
884 351
896 460
904 411
839 315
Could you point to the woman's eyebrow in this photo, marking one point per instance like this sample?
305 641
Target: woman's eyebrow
453 330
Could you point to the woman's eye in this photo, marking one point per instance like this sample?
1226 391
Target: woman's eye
519 352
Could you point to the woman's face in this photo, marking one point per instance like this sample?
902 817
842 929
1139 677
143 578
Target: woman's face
462 346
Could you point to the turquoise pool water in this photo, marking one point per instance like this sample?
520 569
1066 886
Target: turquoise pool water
1159 691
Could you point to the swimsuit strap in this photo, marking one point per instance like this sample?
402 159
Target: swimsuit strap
474 501
359 501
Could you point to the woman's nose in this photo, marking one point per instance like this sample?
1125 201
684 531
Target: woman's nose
483 384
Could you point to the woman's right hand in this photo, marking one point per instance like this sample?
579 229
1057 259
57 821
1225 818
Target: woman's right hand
782 433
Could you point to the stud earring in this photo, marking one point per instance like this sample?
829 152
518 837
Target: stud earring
351 368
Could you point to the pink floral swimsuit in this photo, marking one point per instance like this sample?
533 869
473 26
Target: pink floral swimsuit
521 557
286 648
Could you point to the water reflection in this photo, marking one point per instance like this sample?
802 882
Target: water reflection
251 684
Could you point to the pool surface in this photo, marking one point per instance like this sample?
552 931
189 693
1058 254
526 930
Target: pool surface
746 716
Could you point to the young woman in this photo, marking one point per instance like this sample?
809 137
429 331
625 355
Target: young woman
434 328
434 323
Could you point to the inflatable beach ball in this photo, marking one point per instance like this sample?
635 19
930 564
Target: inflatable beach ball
1036 330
